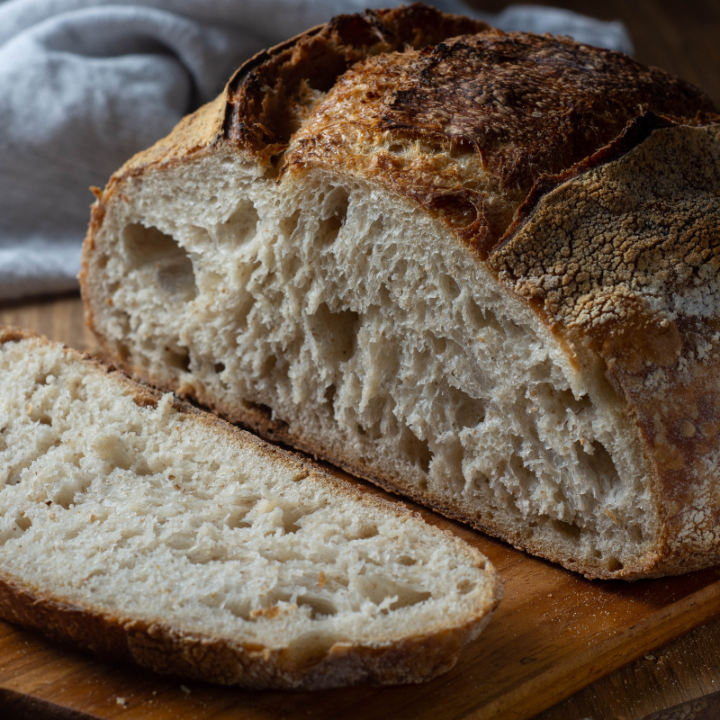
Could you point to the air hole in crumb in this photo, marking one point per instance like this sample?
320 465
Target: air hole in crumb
330 393
379 589
335 331
319 606
219 367
329 230
372 431
142 468
595 458
114 450
38 415
480 481
292 516
236 518
241 226
406 560
240 609
469 412
568 530
24 523
364 532
614 565
439 345
123 352
177 277
330 227
397 148
64 498
575 405
523 474
449 287
483 317
416 450
288 225
178 359
148 246
465 586
636 534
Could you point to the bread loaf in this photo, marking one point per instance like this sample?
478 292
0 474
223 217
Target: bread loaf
477 268
136 526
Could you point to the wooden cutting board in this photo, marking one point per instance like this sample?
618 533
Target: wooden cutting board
554 633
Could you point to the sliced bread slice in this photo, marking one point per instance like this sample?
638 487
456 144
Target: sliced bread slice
136 526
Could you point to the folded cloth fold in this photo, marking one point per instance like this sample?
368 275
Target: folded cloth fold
85 84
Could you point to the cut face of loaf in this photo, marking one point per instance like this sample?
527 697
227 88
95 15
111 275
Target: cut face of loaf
136 526
353 285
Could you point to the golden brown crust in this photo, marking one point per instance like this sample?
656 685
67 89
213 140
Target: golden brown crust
169 651
623 260
268 98
166 649
467 127
274 85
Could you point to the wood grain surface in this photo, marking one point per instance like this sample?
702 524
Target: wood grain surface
538 650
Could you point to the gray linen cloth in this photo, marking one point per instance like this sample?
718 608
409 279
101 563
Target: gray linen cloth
85 84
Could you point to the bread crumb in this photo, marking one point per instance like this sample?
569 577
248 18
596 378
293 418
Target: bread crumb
121 701
650 657
185 689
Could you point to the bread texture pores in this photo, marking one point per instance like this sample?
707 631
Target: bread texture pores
476 268
139 527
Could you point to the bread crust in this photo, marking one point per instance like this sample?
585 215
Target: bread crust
252 111
169 651
166 649
465 128
486 132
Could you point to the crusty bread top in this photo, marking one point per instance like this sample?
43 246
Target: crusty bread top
457 116
269 97
466 127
